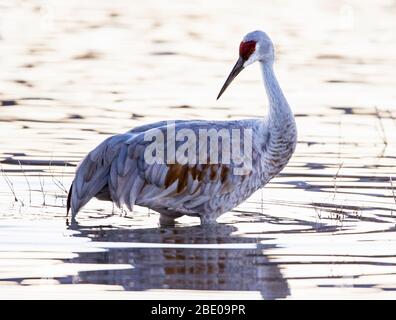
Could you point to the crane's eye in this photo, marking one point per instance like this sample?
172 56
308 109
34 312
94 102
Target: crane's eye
246 48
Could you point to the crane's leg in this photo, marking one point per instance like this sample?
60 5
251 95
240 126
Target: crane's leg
208 219
166 220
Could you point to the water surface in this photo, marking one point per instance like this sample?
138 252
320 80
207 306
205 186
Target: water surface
324 228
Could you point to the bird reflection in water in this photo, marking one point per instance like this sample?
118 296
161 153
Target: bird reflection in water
231 263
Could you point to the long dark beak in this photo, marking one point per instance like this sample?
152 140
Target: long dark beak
234 72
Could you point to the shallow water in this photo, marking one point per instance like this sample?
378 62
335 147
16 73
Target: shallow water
324 228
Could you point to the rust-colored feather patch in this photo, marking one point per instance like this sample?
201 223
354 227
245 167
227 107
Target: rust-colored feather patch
224 173
213 171
180 173
183 179
172 174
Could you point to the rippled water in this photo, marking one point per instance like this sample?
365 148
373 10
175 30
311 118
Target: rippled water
324 228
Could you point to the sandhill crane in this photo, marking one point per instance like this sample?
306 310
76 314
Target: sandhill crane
117 169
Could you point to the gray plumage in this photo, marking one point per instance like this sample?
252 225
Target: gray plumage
116 169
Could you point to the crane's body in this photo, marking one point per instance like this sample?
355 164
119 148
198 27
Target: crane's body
117 170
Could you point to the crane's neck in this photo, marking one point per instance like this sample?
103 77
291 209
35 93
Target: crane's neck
279 110
281 133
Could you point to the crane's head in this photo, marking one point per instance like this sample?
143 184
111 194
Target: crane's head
255 46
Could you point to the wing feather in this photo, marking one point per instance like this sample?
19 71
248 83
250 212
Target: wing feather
93 172
119 163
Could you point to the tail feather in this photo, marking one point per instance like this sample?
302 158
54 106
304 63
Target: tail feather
69 195
92 174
